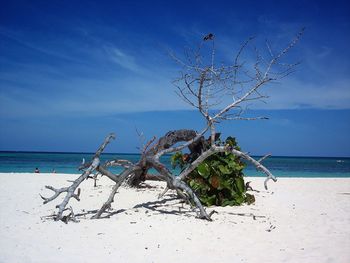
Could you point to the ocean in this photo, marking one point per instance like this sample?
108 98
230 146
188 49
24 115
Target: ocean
25 162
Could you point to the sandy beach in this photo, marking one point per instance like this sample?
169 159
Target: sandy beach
296 220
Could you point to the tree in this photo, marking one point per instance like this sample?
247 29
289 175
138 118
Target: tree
220 93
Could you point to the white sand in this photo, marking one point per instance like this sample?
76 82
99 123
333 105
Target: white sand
297 220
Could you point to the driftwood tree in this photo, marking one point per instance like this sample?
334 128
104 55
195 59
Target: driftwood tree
220 93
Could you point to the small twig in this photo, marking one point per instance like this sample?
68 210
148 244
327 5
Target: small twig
164 192
264 157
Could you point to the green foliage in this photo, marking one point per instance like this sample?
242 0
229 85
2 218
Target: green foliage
218 180
177 160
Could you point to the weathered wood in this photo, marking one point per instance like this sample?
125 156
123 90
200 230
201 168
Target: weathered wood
174 182
173 137
121 178
205 87
71 189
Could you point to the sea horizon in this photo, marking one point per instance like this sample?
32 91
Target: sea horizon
68 162
136 153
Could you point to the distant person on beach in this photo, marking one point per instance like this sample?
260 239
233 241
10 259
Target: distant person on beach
36 170
54 171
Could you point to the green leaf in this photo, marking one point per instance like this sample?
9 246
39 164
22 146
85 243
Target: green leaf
231 141
208 201
239 199
203 170
229 202
219 179
240 184
224 169
225 184
224 159
177 160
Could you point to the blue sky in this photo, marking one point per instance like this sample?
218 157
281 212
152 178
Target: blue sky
73 71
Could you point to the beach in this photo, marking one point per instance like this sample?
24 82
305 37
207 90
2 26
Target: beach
295 220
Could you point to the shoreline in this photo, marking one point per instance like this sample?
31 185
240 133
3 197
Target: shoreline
296 220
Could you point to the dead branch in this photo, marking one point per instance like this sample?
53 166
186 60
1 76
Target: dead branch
118 162
121 178
219 93
264 157
71 189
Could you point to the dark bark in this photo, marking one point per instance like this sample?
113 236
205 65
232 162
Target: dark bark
173 137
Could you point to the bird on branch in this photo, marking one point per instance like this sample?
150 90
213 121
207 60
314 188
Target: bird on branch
210 36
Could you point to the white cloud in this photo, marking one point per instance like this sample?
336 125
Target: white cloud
39 89
295 94
122 59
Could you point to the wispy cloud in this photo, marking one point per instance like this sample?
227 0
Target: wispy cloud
299 94
37 44
87 96
122 59
100 74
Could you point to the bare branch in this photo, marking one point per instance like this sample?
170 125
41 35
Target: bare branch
102 170
71 189
284 51
57 193
121 178
264 157
104 144
174 183
245 119
148 144
118 162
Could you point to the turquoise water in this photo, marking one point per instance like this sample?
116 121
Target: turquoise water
68 163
